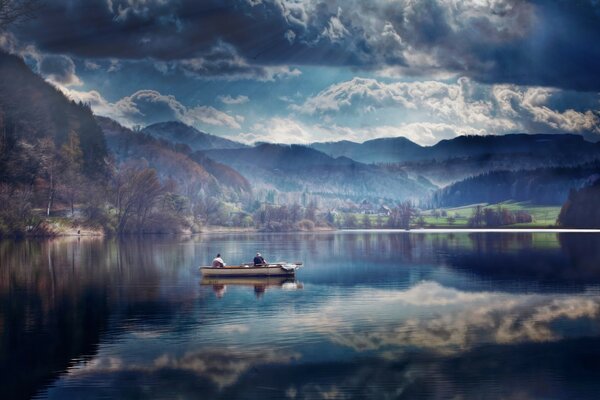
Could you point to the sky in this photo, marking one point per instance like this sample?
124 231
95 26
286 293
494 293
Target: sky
301 71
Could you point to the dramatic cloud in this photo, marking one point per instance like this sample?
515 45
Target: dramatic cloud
488 108
446 320
525 42
149 106
223 62
222 366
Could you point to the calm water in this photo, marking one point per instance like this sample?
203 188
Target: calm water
371 315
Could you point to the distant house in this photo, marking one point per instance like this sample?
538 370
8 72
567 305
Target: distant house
366 207
384 210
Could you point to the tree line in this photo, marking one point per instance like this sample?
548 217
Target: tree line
539 186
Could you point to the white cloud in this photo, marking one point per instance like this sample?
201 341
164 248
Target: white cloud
222 61
444 320
148 106
91 65
290 131
482 108
240 99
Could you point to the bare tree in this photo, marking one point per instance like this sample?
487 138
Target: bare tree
136 191
14 11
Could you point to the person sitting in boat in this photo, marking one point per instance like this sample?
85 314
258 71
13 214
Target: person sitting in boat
218 262
259 260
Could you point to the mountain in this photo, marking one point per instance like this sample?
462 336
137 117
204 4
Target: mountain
296 168
539 186
382 150
178 132
32 110
174 162
455 159
400 149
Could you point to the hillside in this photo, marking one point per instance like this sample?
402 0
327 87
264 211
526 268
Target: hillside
560 147
176 163
178 132
455 159
32 110
539 186
383 150
298 168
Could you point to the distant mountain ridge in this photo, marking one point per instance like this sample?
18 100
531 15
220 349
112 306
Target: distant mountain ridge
297 168
401 149
539 186
178 132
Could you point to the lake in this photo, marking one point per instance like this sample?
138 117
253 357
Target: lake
370 315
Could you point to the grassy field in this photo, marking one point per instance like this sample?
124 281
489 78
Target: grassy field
543 216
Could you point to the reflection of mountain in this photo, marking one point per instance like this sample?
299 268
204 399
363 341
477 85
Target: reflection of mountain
568 261
298 168
178 132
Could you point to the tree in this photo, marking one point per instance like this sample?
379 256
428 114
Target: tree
49 163
71 178
366 221
136 191
311 211
330 217
477 218
581 208
350 221
401 215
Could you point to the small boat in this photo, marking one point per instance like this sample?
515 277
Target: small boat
275 269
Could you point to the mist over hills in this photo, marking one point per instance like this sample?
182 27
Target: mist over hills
178 132
562 147
297 168
549 186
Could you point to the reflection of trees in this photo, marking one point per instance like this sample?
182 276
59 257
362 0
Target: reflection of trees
563 260
583 253
56 298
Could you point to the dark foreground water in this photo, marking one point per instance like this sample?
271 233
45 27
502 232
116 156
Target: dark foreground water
371 315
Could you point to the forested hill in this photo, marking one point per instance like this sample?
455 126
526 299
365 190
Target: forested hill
558 147
296 168
178 132
33 114
384 150
539 186
177 163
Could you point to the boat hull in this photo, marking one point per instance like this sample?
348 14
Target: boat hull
246 271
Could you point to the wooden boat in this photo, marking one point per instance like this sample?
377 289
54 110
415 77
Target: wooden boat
276 269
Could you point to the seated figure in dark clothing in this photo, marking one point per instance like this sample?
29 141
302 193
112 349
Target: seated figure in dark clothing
259 260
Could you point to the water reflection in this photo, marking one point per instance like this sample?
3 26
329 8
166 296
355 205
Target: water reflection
260 285
380 315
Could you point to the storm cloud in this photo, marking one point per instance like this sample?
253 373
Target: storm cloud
549 43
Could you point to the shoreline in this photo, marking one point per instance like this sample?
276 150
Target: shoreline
215 230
